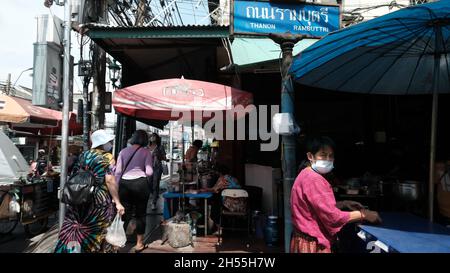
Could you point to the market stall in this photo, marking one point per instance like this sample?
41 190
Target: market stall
28 201
167 100
396 61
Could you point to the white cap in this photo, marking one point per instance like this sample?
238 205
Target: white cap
100 137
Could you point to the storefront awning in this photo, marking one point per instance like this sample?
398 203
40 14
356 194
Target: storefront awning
261 54
16 110
152 53
22 115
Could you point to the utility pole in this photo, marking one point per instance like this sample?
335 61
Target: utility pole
141 13
99 66
86 80
99 72
65 121
288 145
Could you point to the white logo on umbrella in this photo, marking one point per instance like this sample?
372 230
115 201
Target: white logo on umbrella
182 89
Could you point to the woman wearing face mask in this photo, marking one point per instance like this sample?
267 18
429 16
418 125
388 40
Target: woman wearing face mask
159 155
316 216
84 227
134 165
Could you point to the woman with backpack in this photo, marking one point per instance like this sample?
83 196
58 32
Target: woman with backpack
84 226
134 171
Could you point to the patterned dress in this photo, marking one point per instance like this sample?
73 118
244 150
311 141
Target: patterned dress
84 227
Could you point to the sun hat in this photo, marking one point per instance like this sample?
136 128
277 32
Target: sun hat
100 137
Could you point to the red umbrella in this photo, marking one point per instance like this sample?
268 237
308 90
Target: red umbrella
157 100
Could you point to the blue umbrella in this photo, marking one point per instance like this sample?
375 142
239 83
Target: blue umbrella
402 53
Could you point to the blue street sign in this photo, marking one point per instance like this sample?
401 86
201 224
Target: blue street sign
315 21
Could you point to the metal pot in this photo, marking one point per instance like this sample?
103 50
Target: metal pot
407 190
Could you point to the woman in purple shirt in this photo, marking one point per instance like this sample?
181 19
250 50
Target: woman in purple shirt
133 171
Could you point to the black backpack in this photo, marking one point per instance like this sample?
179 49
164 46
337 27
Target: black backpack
79 190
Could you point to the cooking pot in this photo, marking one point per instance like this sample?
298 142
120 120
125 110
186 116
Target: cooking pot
408 190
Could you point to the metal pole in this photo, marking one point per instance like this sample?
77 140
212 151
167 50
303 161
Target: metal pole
119 132
28 69
86 81
182 142
287 43
432 156
171 150
36 151
437 62
65 122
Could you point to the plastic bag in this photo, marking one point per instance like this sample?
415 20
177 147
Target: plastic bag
115 234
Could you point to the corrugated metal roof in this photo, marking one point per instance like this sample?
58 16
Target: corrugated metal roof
105 26
100 31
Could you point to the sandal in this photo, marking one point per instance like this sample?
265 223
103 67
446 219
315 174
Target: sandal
140 250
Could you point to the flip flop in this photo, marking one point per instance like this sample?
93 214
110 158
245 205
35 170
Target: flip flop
140 250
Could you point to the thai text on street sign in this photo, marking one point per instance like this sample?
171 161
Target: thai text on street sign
259 18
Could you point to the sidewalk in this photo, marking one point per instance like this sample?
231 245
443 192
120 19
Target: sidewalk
233 243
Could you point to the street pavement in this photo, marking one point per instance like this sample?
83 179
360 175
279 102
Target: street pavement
17 241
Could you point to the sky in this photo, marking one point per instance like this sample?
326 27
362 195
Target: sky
18 29
18 32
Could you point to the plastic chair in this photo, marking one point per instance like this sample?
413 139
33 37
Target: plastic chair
234 205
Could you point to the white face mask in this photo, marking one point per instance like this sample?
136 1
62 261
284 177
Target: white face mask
107 147
323 166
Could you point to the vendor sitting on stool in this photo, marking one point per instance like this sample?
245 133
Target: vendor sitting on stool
225 181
